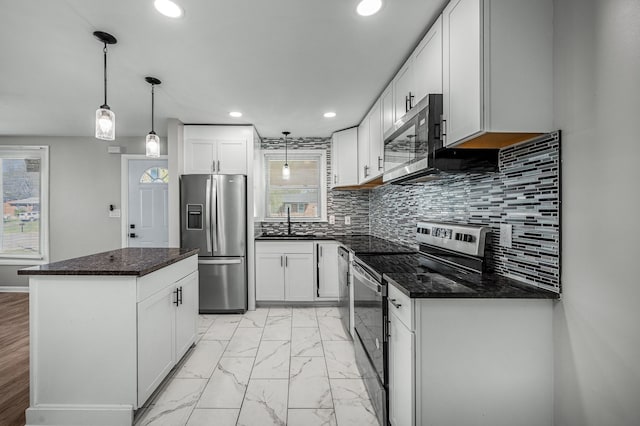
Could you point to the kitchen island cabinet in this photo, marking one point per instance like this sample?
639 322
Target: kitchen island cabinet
105 330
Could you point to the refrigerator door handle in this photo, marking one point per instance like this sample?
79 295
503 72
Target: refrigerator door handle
220 262
214 204
207 215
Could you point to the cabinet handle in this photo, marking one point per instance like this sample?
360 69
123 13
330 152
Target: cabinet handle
411 100
176 293
406 104
393 302
281 261
335 179
218 166
213 167
286 261
320 247
180 295
380 165
366 173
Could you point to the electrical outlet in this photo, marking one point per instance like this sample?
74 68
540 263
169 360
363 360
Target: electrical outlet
505 235
347 220
332 220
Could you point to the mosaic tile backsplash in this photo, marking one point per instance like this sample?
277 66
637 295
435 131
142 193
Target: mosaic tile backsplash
524 193
339 203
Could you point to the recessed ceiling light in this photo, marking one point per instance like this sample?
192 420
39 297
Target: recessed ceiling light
329 114
168 8
369 7
235 114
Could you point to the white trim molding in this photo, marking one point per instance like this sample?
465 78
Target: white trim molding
14 289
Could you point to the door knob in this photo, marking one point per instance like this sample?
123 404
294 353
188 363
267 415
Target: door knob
132 235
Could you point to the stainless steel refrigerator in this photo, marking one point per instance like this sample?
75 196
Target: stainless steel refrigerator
213 218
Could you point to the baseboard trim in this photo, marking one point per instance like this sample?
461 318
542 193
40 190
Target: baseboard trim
14 289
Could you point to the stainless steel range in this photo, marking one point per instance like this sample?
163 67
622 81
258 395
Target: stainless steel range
449 255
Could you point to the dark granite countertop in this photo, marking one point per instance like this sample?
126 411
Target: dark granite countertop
127 261
368 244
487 286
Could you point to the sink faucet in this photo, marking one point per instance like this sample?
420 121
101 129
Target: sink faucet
288 220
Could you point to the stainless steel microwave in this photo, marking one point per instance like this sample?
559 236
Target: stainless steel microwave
410 146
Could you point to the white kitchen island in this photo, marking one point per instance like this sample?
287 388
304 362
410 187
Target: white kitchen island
105 330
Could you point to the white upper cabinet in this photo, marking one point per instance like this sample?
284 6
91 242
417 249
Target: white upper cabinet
376 143
209 149
421 74
427 63
388 111
371 145
497 71
364 169
402 85
344 158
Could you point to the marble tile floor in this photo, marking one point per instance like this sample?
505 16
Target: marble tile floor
271 366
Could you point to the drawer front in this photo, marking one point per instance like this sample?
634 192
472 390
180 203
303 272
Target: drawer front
401 305
284 247
157 280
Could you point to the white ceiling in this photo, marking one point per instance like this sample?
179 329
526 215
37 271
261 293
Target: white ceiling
283 63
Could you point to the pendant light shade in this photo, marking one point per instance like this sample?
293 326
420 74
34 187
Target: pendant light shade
286 171
152 143
105 118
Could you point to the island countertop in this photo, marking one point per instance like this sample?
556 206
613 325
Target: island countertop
127 261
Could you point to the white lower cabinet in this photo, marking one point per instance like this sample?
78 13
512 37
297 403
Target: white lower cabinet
284 271
401 360
327 253
101 344
156 335
269 275
167 326
481 362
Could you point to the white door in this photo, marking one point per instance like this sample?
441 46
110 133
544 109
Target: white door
328 270
186 313
401 375
269 276
148 224
298 277
232 157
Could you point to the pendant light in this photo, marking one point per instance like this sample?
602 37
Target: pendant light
286 171
153 141
105 118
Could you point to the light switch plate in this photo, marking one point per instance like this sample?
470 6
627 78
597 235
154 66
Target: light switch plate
114 213
506 231
332 220
347 220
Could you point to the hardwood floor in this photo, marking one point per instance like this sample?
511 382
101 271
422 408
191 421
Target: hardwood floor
14 358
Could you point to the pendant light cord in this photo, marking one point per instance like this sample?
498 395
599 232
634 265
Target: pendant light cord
105 74
152 105
286 158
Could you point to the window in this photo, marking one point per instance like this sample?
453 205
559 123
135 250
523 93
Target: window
304 193
155 175
24 195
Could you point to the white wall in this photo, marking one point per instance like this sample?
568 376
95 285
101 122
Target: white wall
597 106
83 180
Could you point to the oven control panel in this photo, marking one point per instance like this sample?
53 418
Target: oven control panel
468 239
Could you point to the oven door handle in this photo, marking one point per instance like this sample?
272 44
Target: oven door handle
365 279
